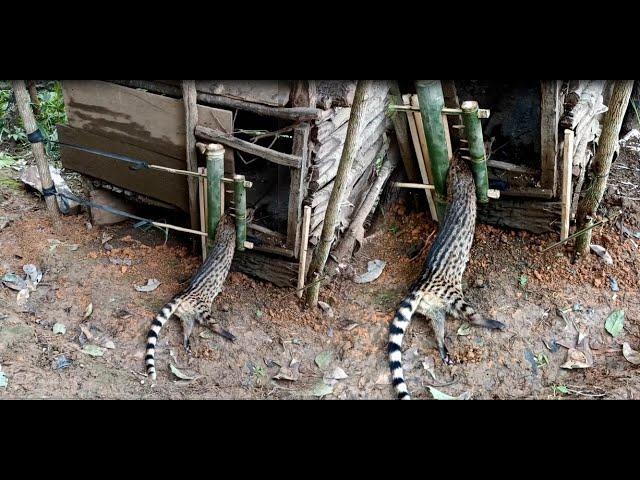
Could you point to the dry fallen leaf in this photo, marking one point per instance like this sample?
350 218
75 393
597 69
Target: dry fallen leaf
630 354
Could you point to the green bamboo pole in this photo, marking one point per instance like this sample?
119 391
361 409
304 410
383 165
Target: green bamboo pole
215 172
240 203
431 101
473 134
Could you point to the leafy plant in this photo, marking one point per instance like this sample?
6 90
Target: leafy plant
394 229
50 113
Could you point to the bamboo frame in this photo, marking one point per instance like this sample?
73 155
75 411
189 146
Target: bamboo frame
413 129
431 101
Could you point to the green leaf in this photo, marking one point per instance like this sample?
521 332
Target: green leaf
6 160
179 374
615 322
561 389
323 359
438 395
93 350
321 389
59 328
523 281
630 354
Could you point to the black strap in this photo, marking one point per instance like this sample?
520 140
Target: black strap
48 192
135 164
36 137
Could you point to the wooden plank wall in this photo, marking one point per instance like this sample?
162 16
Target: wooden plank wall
119 119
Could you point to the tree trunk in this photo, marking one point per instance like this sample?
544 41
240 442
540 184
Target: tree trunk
601 163
30 126
349 151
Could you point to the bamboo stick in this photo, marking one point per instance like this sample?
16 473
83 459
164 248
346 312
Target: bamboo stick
304 246
473 134
413 129
215 172
349 151
203 215
240 206
567 167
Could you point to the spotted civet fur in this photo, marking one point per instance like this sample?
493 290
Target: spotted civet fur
439 289
194 304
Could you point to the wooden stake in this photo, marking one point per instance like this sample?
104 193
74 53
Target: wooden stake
420 157
567 166
190 99
304 246
30 125
203 212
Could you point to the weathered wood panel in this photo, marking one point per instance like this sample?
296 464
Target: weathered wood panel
153 122
159 185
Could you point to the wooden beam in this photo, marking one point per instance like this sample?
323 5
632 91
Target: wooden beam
567 167
510 167
274 156
295 113
549 118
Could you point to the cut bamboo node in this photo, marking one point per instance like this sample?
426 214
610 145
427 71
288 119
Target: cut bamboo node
469 106
215 149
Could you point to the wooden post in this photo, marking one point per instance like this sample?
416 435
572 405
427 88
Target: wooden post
550 117
349 152
297 187
304 246
400 126
431 104
30 125
215 172
190 98
240 203
567 166
601 163
473 134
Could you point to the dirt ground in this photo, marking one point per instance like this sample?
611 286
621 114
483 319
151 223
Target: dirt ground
548 303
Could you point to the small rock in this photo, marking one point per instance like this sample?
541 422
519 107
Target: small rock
326 308
104 197
479 283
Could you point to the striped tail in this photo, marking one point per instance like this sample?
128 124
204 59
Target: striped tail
152 338
396 333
